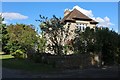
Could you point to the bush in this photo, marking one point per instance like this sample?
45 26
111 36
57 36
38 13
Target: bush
19 54
41 58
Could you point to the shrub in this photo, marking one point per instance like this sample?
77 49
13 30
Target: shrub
19 54
41 58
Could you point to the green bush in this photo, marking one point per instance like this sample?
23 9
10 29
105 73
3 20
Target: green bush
19 54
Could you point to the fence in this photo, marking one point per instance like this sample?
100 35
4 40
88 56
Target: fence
71 61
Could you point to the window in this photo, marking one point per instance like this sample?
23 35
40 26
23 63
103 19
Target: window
72 30
69 23
81 26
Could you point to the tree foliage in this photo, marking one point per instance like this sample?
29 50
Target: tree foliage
84 41
98 40
3 35
108 41
21 37
41 44
54 32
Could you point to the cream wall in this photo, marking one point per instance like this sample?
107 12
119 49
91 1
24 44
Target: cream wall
86 22
72 27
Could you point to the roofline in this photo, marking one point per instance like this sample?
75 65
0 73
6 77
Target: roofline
93 22
82 19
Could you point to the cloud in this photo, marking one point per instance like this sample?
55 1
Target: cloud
13 16
102 21
4 22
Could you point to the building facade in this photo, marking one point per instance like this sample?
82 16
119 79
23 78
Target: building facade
75 19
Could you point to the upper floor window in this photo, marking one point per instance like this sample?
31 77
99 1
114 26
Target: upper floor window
81 26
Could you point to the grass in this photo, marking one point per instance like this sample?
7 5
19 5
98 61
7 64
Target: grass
10 62
6 57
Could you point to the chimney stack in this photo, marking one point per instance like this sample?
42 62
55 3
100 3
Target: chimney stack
66 12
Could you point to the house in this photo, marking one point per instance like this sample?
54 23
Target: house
78 19
74 19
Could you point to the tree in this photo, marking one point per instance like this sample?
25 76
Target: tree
78 44
101 41
4 35
0 32
84 42
54 32
118 50
21 37
41 44
108 43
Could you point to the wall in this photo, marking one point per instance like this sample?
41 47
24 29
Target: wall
72 61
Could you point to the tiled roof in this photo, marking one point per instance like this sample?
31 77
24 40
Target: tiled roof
77 15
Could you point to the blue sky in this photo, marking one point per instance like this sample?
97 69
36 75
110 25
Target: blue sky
28 12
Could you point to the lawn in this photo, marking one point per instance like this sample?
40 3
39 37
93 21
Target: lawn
10 62
6 57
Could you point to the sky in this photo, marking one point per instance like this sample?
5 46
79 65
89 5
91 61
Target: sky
106 13
60 0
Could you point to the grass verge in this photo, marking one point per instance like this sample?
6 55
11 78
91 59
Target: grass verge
10 62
